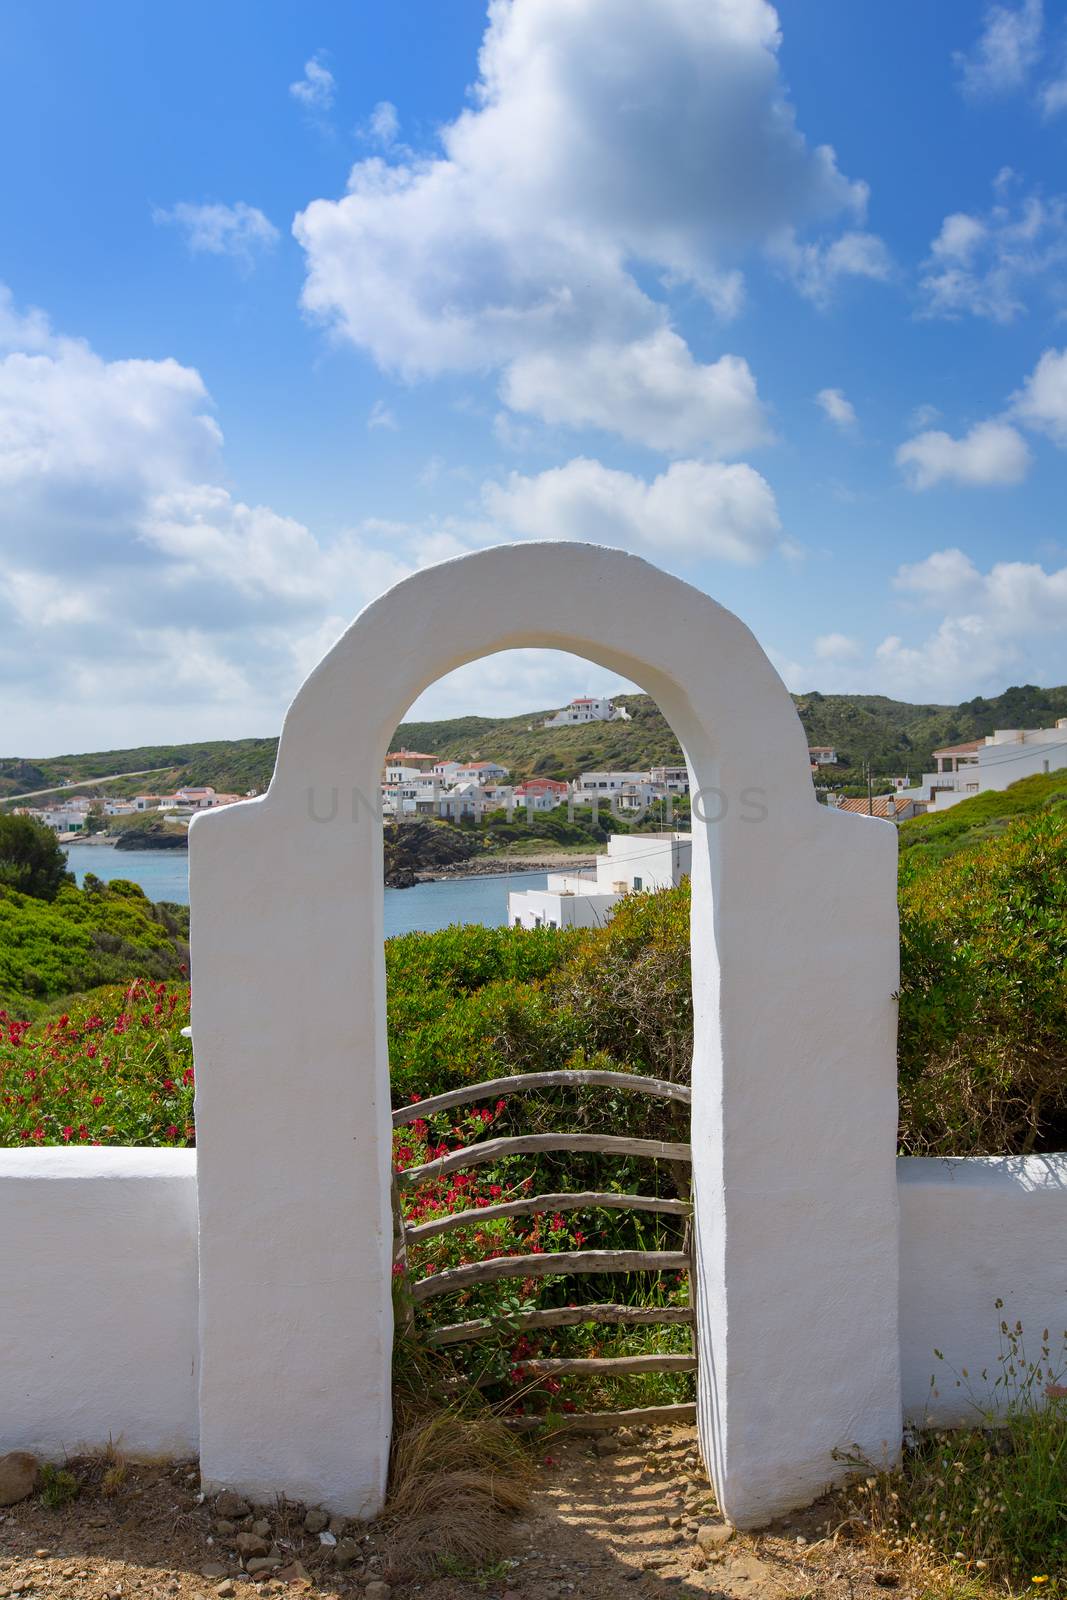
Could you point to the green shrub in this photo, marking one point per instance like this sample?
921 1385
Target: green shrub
982 1043
100 934
32 860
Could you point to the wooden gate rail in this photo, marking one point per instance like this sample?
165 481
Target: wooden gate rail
559 1366
550 1265
601 1421
525 1081
476 1155
532 1204
557 1317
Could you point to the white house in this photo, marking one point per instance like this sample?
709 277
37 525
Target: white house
996 761
587 708
633 862
669 780
481 772
67 817
822 755
590 786
397 771
541 794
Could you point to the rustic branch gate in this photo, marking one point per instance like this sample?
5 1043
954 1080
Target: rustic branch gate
560 1263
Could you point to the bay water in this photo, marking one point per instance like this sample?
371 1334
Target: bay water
164 875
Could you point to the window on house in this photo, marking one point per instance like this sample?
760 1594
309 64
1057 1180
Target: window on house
639 883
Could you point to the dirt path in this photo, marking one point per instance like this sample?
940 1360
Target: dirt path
609 1518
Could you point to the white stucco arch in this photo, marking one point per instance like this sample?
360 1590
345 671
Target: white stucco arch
794 940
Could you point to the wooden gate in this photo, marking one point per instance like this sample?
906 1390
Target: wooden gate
562 1262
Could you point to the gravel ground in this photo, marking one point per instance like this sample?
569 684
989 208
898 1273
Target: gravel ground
617 1515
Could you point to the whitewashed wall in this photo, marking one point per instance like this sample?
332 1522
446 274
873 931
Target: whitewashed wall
971 1232
99 1311
98 1300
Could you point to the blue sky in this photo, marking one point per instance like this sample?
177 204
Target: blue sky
298 299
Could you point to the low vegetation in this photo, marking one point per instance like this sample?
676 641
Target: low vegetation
940 834
83 938
982 1041
982 1507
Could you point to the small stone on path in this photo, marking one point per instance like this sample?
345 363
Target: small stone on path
713 1535
346 1553
18 1476
231 1505
251 1545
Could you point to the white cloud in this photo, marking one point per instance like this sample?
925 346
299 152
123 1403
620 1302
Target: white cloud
695 508
997 625
836 647
650 390
922 416
945 576
1008 47
22 330
572 170
239 230
316 89
981 265
129 576
817 268
382 416
837 408
990 453
1053 97
1041 403
383 125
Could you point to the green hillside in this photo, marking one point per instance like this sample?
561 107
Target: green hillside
935 836
894 736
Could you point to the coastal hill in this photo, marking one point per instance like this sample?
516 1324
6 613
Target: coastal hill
894 736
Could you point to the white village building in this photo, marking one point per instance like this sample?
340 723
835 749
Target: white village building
590 786
996 761
587 708
634 861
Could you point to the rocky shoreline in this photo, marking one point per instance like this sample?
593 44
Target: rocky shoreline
492 866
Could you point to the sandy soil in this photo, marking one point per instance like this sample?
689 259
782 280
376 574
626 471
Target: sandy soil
609 1517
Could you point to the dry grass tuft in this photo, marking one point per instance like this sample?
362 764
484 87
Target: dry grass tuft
457 1478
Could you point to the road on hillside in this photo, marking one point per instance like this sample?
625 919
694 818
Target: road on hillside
82 783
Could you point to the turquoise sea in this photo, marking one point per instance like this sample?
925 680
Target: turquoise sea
164 875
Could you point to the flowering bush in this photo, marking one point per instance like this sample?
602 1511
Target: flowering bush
114 1069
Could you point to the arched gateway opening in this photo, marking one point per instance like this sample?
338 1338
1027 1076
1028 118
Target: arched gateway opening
794 953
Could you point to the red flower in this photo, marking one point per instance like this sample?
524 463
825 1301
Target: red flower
67 1131
98 1099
